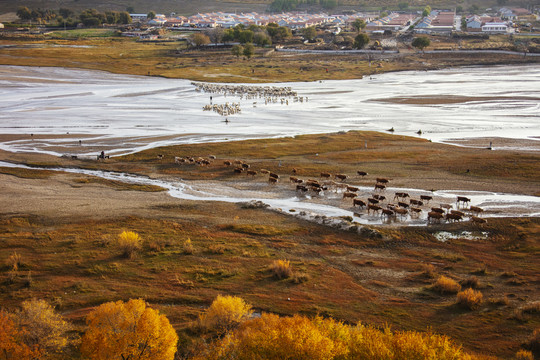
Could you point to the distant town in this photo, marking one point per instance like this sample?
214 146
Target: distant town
501 21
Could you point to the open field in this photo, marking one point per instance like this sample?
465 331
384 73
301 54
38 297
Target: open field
171 60
64 228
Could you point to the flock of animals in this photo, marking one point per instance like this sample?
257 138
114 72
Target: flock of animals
381 202
270 94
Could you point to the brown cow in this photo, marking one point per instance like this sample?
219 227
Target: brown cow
453 217
293 179
382 180
463 199
403 205
457 212
349 195
415 210
379 187
359 203
477 220
387 212
301 188
251 172
416 202
238 170
401 211
426 198
375 208
352 188
341 176
264 171
399 195
273 175
437 210
325 175
272 180
238 162
379 197
433 215
476 210
362 173
227 163
246 166
373 201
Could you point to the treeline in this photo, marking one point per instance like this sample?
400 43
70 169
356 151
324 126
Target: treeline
66 17
290 5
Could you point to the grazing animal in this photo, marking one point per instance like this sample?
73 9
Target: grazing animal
379 187
391 206
387 212
403 204
178 160
313 183
251 172
476 210
301 188
437 210
362 173
401 211
212 157
375 208
359 203
446 206
293 179
379 197
427 198
477 220
352 188
433 215
325 175
272 180
401 195
238 170
273 175
238 162
416 202
341 176
373 201
415 210
462 199
299 181
264 171
349 195
382 180
453 217
456 212
246 166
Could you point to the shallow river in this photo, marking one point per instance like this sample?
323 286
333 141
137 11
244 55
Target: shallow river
123 114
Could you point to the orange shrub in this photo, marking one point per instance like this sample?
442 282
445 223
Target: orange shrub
129 242
446 285
281 269
524 355
469 298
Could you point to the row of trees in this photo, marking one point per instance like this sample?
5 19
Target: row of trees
63 16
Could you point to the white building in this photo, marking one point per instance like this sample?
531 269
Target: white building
495 28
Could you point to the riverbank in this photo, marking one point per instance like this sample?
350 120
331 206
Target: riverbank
126 56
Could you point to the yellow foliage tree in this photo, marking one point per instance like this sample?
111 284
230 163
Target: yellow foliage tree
118 330
225 313
43 326
12 344
271 337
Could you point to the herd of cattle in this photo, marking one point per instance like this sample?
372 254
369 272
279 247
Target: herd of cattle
380 202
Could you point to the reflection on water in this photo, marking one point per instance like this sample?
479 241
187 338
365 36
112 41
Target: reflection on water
111 108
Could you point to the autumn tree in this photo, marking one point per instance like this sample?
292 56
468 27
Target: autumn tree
24 13
12 345
225 313
43 327
199 39
118 330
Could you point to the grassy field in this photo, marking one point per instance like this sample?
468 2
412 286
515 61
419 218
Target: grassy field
384 276
98 51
